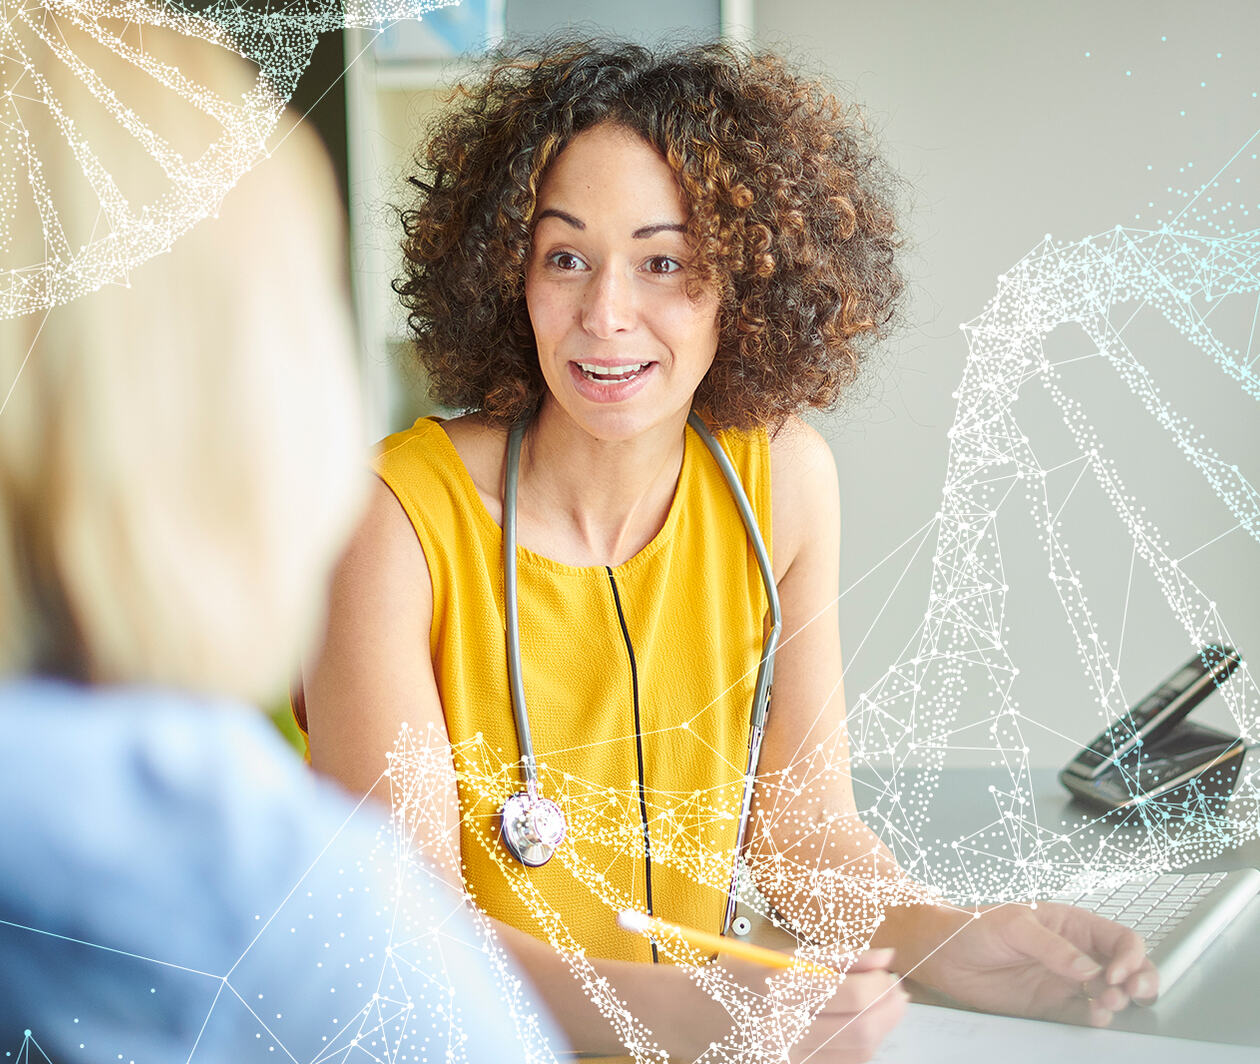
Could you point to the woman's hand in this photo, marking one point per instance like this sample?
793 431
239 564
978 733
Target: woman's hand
858 1016
1051 962
848 1026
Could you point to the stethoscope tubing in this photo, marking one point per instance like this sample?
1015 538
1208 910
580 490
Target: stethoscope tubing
765 667
511 607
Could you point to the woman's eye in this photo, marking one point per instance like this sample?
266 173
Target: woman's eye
565 260
663 264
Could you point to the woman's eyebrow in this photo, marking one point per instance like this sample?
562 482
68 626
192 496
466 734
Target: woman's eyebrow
660 227
564 216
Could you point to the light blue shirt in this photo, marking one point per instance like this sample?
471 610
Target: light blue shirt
175 885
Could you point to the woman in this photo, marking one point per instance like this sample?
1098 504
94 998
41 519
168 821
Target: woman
178 473
606 241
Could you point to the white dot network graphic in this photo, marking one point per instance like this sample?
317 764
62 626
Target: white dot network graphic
125 233
1195 272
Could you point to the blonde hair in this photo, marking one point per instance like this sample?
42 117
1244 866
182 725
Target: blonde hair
180 459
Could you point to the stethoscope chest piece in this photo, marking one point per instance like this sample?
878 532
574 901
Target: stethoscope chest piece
532 827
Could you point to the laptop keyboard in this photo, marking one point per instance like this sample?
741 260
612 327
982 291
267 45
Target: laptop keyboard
1178 914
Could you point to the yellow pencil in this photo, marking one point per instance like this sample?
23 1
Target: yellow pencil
654 927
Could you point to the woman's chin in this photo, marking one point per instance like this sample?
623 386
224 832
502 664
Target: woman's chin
621 422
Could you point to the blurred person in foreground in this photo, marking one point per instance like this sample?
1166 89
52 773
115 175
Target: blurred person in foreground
179 463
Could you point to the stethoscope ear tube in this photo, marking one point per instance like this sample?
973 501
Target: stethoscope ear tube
531 826
516 682
765 668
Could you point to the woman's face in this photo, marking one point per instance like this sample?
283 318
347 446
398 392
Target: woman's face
622 345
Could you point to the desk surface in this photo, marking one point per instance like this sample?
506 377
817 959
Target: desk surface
1215 1000
950 1036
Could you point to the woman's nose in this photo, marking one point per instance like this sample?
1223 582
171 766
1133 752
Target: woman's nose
608 303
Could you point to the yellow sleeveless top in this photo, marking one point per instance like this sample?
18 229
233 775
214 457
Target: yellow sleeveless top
638 683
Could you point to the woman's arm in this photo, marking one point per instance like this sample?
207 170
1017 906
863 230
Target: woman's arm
373 673
823 868
805 818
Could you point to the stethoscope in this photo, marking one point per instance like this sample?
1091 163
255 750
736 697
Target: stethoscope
533 826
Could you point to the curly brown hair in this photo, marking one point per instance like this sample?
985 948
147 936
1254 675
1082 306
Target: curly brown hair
790 221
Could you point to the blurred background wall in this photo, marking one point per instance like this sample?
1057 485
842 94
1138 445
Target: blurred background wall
1012 121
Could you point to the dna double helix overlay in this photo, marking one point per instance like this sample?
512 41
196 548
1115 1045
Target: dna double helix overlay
1195 294
72 67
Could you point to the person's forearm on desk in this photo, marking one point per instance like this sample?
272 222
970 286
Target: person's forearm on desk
685 1021
682 1017
1046 960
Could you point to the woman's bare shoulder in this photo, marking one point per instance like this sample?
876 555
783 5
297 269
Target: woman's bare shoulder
804 491
384 550
482 446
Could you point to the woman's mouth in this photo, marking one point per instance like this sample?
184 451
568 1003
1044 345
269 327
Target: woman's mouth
611 374
610 382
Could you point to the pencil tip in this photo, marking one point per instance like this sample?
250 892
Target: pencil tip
633 921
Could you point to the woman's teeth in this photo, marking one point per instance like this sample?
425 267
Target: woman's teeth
612 373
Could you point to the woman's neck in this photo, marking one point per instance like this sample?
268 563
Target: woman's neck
586 501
